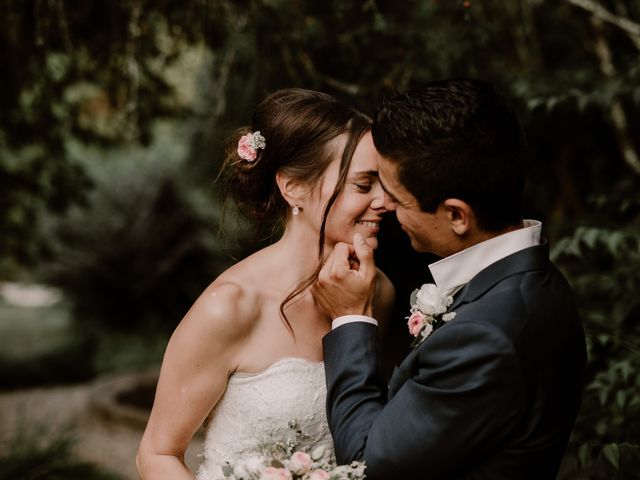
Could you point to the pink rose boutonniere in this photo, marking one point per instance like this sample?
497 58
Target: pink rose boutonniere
429 307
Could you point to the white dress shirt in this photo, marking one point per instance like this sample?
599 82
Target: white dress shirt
455 271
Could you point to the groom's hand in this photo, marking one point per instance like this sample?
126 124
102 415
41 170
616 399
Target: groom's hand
347 280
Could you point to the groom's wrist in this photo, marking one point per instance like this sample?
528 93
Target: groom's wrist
339 321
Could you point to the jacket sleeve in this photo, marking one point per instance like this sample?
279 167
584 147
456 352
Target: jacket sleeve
463 390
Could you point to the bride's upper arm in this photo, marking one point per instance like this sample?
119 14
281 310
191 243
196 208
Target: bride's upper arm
200 356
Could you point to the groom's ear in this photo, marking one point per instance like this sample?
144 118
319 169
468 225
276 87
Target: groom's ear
291 189
460 216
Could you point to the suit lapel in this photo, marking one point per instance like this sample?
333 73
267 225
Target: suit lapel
532 258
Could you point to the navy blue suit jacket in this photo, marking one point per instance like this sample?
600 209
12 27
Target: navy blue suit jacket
492 394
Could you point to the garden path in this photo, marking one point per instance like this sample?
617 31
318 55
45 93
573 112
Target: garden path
109 444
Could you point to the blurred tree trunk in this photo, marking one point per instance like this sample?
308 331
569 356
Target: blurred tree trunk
617 114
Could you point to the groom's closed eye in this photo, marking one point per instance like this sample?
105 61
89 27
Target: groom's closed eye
389 194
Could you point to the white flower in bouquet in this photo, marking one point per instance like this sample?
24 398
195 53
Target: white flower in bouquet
250 468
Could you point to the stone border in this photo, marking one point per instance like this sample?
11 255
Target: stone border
104 397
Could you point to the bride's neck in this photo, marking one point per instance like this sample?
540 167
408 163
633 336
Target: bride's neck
297 249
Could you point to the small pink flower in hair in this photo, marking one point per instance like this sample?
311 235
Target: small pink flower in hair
249 144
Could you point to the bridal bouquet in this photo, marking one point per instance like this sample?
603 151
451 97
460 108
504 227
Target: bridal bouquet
286 459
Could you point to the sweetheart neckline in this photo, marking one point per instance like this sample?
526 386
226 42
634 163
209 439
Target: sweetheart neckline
276 364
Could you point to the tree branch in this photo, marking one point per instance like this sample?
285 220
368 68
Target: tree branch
310 68
630 27
132 72
617 113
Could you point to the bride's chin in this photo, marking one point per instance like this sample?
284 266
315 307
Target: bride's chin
348 238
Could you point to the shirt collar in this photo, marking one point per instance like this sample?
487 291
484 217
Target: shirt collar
456 270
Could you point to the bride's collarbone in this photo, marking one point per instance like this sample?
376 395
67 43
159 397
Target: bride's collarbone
294 327
273 339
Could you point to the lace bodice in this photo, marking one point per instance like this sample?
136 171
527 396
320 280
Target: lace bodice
256 407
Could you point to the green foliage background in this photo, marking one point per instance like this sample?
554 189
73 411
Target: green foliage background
112 116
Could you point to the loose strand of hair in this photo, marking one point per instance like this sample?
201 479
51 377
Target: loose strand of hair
345 162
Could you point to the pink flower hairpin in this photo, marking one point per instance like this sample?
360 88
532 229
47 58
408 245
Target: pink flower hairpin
249 144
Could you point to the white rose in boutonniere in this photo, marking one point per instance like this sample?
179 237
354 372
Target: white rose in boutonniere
428 309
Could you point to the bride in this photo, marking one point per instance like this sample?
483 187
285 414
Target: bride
247 358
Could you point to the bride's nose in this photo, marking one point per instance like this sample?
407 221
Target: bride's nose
377 202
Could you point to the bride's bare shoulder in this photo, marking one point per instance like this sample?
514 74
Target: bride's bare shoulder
232 305
228 308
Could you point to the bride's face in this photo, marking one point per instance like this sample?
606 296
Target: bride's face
360 205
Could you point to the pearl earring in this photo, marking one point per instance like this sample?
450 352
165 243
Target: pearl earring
295 210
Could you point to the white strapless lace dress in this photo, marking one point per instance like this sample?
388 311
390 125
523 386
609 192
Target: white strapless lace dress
256 407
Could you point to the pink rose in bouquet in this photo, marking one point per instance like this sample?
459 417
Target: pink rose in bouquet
300 463
319 475
272 473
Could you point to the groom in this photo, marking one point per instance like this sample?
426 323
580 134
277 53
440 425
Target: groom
493 392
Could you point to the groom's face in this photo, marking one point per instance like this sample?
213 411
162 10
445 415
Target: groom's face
429 232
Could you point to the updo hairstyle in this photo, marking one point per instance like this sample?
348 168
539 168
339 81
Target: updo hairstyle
298 126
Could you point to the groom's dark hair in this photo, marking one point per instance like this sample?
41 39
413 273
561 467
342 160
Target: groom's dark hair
456 138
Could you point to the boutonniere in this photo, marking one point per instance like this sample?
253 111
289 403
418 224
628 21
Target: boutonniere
428 309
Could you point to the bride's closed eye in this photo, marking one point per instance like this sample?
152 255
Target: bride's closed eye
363 187
363 181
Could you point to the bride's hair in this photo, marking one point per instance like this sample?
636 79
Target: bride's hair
298 127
